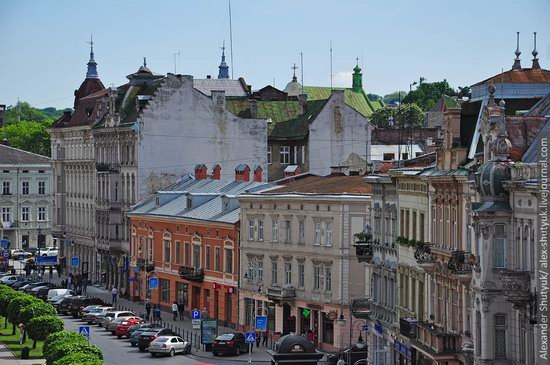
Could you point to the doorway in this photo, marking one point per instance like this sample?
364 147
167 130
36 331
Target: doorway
25 241
289 321
196 298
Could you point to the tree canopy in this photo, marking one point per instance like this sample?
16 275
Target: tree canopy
394 97
427 94
407 115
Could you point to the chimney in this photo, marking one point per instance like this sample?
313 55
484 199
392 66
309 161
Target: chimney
302 99
258 173
200 172
242 173
2 111
451 128
338 95
254 108
216 172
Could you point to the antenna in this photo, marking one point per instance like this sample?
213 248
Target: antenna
175 63
302 69
231 40
331 64
18 110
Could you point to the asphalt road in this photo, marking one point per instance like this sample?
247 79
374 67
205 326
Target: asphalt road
118 351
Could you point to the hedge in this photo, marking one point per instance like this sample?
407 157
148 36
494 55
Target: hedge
70 347
34 310
79 359
55 339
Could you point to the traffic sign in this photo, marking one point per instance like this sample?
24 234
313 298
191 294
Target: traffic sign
195 314
6 254
84 331
75 261
261 323
365 327
130 280
46 260
196 324
153 283
5 243
250 337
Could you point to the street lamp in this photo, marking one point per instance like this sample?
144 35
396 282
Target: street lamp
341 321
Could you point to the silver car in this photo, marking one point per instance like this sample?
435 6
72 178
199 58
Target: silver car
169 345
91 316
109 316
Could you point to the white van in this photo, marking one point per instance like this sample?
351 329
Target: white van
55 292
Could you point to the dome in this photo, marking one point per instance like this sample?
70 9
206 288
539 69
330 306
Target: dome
293 88
490 178
357 69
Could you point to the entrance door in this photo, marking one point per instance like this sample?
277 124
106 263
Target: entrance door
305 320
216 310
25 241
196 298
228 308
42 241
289 322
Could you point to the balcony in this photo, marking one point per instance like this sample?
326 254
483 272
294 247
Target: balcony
278 294
462 264
516 286
361 308
407 327
192 274
147 266
363 246
437 340
424 257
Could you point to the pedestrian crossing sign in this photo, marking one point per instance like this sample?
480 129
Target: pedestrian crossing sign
250 337
84 331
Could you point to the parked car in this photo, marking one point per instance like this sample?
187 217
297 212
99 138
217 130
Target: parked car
109 316
64 305
59 291
91 315
41 292
56 298
125 325
78 303
134 333
50 251
147 337
169 345
19 254
9 279
113 324
19 284
27 288
229 343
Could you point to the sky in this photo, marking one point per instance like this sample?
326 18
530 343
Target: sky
44 49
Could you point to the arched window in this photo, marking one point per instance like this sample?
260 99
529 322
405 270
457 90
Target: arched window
500 336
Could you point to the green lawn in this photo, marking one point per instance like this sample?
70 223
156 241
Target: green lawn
12 341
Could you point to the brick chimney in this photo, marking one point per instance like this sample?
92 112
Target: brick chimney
242 173
216 172
258 173
200 172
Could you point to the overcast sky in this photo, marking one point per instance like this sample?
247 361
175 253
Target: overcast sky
44 49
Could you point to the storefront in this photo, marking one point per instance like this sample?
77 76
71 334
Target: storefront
403 354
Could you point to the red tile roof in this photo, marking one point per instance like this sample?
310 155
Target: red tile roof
331 184
523 76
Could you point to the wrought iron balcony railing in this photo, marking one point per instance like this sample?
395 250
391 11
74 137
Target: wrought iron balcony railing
284 293
361 308
424 256
191 273
462 264
407 327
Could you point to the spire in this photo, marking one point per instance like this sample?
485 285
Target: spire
294 78
144 62
357 76
92 64
517 62
535 53
224 69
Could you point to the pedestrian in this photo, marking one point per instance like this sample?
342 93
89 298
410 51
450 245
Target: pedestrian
264 338
204 314
181 309
175 310
51 271
258 339
311 336
21 333
114 293
156 312
84 286
58 268
147 309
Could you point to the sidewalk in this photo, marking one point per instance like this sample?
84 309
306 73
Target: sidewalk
8 358
183 328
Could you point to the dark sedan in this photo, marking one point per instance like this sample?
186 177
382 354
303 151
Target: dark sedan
78 303
41 291
27 288
146 337
136 330
229 343
19 284
64 305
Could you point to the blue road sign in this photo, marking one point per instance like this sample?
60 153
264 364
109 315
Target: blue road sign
84 331
5 243
195 314
365 327
250 337
261 323
130 280
136 269
46 260
153 283
6 254
75 261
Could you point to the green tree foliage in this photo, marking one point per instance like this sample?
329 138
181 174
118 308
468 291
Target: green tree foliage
58 350
374 97
40 327
79 359
15 307
407 115
427 94
58 337
36 309
394 97
6 295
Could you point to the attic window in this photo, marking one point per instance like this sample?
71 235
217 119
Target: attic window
157 201
89 111
389 156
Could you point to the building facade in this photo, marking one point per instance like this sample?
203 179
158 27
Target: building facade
296 258
26 199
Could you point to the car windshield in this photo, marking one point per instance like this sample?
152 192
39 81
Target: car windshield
162 339
225 337
109 314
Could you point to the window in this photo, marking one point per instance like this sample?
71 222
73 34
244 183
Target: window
42 214
6 188
284 155
301 231
288 273
25 216
116 191
166 250
207 255
303 154
454 310
164 290
228 263
186 255
301 275
317 240
178 252
274 272
295 157
218 260
317 277
388 156
287 231
328 329
196 255
6 214
42 187
328 234
275 230
25 187
500 336
500 246
260 230
421 228
260 265
478 333
440 311
269 155
251 229
414 236
328 279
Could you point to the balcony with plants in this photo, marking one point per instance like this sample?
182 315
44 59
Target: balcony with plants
461 264
363 244
191 273
424 256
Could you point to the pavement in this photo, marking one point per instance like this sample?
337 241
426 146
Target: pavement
8 358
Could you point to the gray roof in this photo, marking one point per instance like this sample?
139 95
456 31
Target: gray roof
14 156
540 109
207 199
231 87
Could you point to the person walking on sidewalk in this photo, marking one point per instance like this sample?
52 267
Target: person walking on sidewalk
181 309
264 338
84 286
204 314
114 293
175 310
147 309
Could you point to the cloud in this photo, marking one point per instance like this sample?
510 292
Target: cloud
342 79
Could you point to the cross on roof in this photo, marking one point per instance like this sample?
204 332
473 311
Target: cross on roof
223 46
91 42
294 68
357 60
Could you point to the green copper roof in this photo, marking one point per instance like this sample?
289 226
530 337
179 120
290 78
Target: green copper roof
356 100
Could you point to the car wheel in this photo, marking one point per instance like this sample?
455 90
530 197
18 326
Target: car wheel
90 322
141 349
113 332
153 354
119 336
133 344
237 351
44 255
213 353
172 352
75 316
188 350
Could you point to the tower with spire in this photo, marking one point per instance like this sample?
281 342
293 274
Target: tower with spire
224 69
357 84
517 61
92 64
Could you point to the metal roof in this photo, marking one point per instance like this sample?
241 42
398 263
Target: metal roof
231 87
